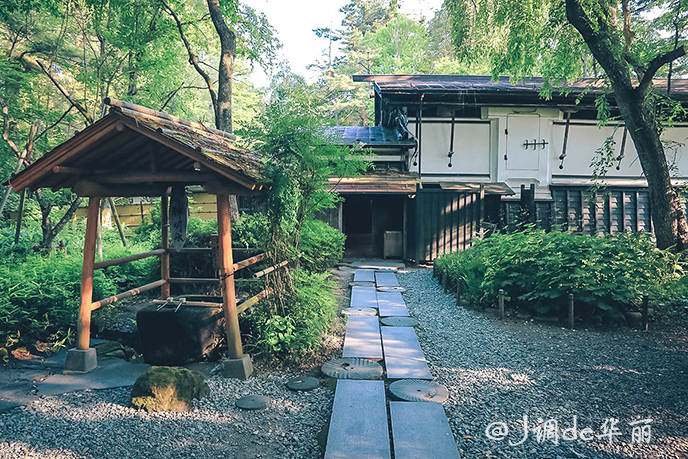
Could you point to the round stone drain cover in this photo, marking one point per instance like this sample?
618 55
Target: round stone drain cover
399 321
352 368
417 390
252 402
303 383
359 312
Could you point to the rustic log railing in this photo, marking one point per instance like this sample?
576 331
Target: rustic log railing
271 269
118 261
170 280
253 300
129 293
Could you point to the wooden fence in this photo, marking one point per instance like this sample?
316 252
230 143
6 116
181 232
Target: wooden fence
581 210
445 222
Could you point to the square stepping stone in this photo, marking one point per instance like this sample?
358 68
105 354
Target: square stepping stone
404 358
386 279
421 431
391 303
364 275
363 297
362 338
358 427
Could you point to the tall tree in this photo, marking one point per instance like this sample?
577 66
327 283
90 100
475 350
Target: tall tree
235 25
60 60
556 37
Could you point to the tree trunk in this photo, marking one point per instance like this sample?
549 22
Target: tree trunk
50 232
668 216
223 108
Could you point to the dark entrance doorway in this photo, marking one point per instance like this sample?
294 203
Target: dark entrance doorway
366 218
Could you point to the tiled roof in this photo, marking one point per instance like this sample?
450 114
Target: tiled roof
485 84
368 136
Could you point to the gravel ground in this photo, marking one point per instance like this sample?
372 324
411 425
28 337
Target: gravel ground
102 424
97 424
499 371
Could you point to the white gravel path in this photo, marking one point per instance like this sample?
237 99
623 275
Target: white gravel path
500 371
101 424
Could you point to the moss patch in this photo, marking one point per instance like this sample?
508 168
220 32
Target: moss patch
168 389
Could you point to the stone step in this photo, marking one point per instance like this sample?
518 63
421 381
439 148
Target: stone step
364 275
363 297
358 427
362 338
391 303
404 358
386 279
420 430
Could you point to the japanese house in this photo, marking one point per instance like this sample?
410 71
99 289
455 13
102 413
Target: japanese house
459 153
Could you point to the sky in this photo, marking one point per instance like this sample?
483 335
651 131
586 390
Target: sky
295 21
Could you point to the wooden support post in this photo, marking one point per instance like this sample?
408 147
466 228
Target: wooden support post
226 266
20 217
445 282
83 329
458 292
571 305
165 244
501 303
99 233
646 302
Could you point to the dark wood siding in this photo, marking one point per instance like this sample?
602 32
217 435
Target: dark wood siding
445 221
608 211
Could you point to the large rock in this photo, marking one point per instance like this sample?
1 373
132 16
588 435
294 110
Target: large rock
168 389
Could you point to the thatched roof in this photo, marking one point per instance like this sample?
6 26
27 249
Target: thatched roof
136 151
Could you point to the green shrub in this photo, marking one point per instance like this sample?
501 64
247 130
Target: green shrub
321 245
42 291
304 317
537 270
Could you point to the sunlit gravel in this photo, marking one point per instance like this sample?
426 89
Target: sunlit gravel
498 371
101 424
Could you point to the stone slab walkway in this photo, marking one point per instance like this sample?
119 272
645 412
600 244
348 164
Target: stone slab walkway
359 423
362 338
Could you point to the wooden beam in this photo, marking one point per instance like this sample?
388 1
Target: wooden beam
128 258
249 261
92 134
226 265
67 170
271 269
192 153
165 245
86 188
127 294
83 329
226 187
193 280
197 304
189 178
253 300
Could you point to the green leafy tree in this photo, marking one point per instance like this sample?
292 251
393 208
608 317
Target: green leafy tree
241 31
562 39
300 157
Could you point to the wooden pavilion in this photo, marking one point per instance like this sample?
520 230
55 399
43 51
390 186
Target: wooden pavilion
136 151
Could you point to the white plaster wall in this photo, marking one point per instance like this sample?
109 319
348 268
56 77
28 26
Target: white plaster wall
471 148
480 146
586 139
